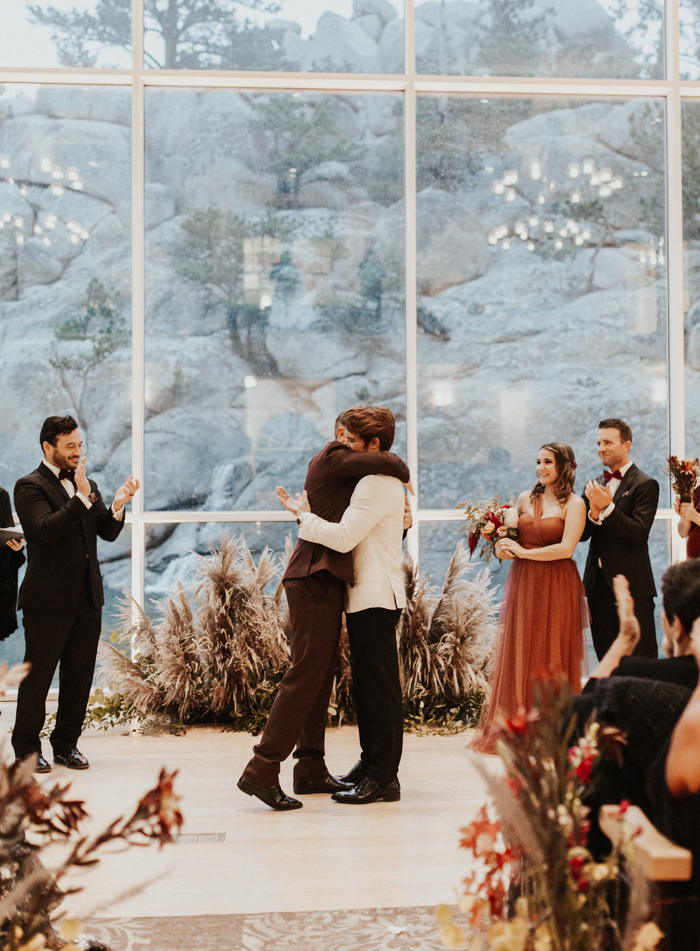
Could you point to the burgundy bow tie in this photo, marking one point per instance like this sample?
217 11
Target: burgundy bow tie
612 475
67 474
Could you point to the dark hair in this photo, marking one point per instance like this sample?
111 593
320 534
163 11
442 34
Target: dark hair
566 471
680 592
620 425
370 421
55 426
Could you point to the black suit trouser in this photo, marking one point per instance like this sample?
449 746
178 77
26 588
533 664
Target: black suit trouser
300 710
68 638
377 690
605 623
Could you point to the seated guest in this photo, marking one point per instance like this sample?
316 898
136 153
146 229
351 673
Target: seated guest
689 525
680 596
672 789
11 559
659 711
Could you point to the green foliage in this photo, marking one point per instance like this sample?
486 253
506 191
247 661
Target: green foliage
639 22
445 716
513 42
104 331
211 250
99 322
458 135
193 34
104 711
302 134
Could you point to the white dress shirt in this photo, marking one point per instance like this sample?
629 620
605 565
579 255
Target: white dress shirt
71 489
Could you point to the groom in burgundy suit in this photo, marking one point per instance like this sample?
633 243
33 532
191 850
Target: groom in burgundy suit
314 583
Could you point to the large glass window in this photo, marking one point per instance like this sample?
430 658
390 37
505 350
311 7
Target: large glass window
275 252
65 273
691 272
93 33
175 551
610 39
542 287
313 36
274 285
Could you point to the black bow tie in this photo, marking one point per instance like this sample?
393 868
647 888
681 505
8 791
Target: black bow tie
612 475
67 474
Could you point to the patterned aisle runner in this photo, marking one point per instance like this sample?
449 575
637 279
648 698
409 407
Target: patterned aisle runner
383 929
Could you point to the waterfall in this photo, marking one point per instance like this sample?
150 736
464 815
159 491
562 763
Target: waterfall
221 492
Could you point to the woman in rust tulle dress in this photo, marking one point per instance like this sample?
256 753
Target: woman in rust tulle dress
544 611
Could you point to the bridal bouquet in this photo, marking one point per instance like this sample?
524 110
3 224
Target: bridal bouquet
489 521
684 476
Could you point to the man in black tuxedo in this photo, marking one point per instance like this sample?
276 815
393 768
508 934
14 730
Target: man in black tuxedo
621 508
61 597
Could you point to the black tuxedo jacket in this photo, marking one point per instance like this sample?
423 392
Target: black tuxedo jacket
621 542
61 535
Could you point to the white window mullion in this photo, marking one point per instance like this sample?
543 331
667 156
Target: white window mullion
138 178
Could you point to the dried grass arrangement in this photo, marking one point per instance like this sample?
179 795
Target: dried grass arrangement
219 653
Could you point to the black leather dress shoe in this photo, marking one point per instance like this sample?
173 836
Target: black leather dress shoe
323 784
368 790
42 765
355 776
73 759
272 796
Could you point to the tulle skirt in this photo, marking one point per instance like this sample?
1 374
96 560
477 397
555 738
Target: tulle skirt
543 618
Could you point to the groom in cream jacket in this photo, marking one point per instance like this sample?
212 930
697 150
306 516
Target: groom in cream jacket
372 528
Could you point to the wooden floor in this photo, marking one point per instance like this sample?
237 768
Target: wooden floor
239 857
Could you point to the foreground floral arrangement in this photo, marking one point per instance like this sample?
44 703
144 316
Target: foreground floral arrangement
33 816
219 652
538 887
489 521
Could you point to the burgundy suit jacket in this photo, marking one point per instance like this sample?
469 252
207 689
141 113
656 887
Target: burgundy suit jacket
330 481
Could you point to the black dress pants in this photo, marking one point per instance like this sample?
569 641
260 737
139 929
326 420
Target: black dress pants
68 638
300 710
377 690
605 623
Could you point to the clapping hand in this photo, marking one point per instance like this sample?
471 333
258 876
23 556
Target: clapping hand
125 492
294 505
630 631
599 496
81 480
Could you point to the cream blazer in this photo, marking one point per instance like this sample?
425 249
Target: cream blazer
372 528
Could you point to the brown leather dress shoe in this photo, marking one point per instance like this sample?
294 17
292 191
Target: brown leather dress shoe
323 784
272 796
370 791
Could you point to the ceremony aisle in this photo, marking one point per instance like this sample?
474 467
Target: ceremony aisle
243 876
